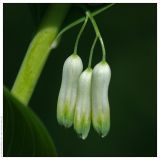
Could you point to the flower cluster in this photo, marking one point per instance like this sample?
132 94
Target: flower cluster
83 97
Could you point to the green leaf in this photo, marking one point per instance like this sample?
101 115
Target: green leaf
24 133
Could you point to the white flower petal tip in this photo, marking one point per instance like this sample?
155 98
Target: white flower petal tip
82 118
100 104
68 92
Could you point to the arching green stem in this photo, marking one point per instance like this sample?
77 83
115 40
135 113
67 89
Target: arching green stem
91 52
98 34
80 20
79 35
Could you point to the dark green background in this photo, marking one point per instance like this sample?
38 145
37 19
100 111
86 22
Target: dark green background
130 35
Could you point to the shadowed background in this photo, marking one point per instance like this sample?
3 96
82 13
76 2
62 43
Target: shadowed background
130 36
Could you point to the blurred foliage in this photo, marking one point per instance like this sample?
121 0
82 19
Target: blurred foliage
24 134
130 35
37 12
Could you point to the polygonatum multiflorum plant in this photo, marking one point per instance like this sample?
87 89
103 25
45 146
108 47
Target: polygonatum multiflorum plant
83 96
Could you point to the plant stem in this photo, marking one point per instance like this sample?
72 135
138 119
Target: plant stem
91 52
79 35
80 20
38 52
98 34
102 9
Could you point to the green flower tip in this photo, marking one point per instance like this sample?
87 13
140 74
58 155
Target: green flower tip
82 126
65 117
103 126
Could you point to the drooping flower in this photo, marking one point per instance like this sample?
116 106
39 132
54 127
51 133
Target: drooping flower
82 117
100 104
68 92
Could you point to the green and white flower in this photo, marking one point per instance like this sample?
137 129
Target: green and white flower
68 92
82 118
100 104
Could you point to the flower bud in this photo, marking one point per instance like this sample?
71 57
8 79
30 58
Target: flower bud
68 92
100 104
82 118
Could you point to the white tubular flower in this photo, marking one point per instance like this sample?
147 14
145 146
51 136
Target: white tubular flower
100 104
68 92
82 118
